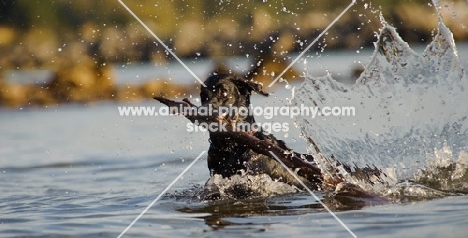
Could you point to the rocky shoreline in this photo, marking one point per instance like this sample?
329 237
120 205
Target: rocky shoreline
80 58
79 84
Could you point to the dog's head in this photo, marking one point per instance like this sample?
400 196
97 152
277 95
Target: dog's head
229 91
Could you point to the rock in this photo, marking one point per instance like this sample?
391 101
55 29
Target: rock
82 83
41 96
7 35
14 95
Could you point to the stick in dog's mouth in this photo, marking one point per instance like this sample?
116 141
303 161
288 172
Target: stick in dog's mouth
305 168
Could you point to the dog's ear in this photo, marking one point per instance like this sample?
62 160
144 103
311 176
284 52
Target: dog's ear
247 86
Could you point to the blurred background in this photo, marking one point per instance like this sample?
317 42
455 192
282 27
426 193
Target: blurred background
60 51
71 166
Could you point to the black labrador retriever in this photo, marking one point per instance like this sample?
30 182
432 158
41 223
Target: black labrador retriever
250 150
227 156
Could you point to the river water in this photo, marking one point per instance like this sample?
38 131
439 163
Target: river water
85 171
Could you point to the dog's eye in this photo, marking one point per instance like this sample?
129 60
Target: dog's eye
223 94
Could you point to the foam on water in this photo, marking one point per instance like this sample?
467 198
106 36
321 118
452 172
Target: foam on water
410 116
244 186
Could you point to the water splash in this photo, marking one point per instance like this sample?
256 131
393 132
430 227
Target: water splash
411 118
244 186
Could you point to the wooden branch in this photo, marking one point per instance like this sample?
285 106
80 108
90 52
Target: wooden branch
307 168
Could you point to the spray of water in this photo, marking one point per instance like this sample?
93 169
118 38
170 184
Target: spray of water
410 122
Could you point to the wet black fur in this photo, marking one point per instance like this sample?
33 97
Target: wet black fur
225 156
